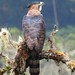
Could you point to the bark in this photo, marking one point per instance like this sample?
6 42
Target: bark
18 65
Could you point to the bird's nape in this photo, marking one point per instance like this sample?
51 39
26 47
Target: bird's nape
40 3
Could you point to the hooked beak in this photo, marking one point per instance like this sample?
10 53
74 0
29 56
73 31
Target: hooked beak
41 3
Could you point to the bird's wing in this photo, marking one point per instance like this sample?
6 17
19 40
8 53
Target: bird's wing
34 31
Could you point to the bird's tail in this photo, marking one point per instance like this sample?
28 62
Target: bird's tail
34 63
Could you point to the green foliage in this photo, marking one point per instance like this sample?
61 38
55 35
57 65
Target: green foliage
64 32
15 32
64 39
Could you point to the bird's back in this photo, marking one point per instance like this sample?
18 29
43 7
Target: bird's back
34 31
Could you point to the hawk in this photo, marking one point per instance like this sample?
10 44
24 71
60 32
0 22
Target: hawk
33 26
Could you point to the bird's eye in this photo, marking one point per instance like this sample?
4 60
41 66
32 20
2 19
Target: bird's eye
4 33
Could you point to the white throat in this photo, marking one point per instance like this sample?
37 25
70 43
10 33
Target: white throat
40 8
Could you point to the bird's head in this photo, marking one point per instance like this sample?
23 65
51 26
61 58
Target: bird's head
36 5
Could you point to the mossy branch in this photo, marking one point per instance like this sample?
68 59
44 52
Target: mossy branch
18 64
55 54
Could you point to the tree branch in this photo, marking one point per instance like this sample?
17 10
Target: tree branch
56 55
18 64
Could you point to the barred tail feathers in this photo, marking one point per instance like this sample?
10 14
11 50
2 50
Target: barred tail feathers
34 63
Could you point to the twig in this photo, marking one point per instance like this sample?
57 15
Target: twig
2 71
4 56
51 38
19 63
59 57
20 59
9 64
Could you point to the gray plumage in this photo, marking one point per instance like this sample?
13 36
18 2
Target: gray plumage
34 31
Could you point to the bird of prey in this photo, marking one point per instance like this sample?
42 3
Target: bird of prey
33 26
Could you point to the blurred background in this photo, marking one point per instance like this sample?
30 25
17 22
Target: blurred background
60 12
